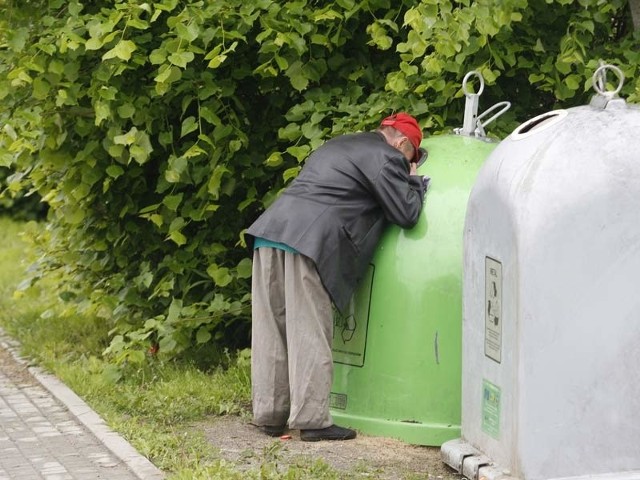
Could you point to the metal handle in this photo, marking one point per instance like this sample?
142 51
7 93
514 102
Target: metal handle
600 80
504 106
473 125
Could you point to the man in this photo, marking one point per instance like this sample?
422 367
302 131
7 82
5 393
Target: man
311 248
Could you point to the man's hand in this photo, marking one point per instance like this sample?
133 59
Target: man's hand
413 168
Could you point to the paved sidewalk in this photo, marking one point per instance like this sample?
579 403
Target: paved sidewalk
48 432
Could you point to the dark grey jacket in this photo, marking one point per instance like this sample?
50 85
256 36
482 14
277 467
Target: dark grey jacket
336 209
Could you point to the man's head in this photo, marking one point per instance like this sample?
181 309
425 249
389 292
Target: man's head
408 135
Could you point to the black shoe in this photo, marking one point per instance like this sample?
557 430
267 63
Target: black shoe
333 432
272 430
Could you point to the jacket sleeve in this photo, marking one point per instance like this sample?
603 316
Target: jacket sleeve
399 194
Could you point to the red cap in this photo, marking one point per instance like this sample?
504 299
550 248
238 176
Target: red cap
408 126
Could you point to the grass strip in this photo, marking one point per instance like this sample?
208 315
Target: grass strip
155 407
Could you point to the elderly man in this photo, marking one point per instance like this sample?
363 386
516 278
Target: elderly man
311 248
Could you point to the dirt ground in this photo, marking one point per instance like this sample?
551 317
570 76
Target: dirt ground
368 457
17 371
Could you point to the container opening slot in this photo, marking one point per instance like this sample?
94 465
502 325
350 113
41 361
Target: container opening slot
536 122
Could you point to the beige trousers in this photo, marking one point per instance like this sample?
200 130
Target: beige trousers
292 328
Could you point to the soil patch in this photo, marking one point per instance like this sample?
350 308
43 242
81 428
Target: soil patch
372 457
12 368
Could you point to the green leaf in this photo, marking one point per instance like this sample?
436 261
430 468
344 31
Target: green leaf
274 160
172 201
178 238
538 47
217 61
379 36
115 171
150 208
207 114
141 149
299 152
177 165
168 75
158 56
177 224
235 145
188 32
220 275
10 131
57 67
244 268
157 219
137 23
203 335
41 88
291 132
17 38
126 110
297 76
102 112
215 180
397 82
74 215
122 50
189 125
172 176
181 59
74 8
194 151
536 77
311 131
168 345
282 62
290 173
563 67
175 309
93 44
126 138
573 82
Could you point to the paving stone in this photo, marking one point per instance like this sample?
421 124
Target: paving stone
42 438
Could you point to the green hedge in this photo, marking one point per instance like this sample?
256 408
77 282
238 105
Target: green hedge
157 131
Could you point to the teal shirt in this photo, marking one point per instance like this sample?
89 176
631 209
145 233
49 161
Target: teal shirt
259 242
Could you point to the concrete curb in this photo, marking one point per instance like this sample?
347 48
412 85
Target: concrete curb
123 450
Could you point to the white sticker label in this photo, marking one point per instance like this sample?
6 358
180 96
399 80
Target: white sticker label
493 309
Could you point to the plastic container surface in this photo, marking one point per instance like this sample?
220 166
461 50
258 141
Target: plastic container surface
551 313
396 352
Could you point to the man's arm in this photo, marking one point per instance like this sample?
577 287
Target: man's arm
400 194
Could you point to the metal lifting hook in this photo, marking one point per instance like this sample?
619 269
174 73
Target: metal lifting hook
600 80
473 124
604 97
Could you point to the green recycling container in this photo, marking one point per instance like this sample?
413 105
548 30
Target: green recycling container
397 350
